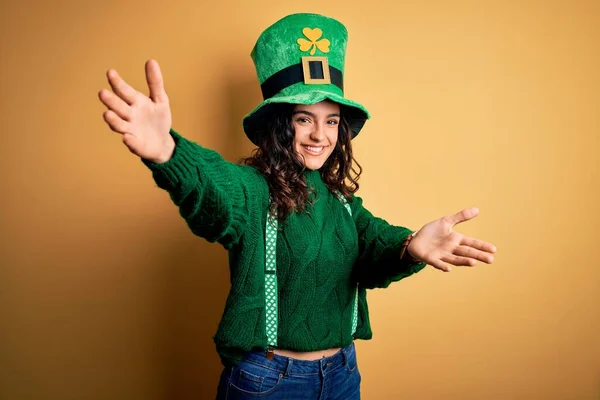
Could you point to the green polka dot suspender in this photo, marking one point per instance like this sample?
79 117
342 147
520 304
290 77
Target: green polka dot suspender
271 290
355 301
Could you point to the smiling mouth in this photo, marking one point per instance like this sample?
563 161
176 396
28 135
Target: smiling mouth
314 150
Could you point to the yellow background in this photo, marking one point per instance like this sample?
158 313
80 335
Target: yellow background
105 294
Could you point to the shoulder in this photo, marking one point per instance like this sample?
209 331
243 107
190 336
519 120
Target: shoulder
253 180
251 173
356 204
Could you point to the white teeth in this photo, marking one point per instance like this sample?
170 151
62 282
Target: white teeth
314 149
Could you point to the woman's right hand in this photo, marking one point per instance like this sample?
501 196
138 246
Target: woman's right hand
143 121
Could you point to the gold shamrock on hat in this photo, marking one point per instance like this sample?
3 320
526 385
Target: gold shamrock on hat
313 43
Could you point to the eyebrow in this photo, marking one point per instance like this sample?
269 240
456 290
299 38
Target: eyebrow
313 115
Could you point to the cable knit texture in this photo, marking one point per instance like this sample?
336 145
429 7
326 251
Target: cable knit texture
321 253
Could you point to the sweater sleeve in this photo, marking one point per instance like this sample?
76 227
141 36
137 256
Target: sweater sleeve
379 243
213 195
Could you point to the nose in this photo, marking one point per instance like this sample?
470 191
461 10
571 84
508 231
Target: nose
318 133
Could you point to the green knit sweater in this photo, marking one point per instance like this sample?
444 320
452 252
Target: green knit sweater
321 253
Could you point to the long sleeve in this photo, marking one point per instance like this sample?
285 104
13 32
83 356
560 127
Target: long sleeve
214 196
380 243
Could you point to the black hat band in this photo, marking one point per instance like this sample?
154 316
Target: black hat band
316 73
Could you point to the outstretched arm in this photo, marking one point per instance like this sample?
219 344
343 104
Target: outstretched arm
214 196
385 257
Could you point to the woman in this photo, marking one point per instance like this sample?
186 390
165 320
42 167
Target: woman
303 249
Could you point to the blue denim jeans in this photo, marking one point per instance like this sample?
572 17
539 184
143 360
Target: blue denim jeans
330 378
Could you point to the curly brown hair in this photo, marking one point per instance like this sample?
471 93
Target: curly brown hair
283 167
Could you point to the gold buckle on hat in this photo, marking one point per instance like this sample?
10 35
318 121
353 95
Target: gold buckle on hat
309 80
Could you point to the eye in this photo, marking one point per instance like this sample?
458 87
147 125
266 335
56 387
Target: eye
302 119
333 122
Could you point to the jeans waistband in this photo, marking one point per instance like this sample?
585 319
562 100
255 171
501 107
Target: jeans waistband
292 366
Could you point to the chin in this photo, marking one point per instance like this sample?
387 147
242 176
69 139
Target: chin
314 165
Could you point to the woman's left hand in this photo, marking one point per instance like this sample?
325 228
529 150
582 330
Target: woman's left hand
438 245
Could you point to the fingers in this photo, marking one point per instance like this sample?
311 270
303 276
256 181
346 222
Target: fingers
155 82
122 88
462 216
441 265
459 261
461 256
470 252
478 244
115 103
115 122
129 140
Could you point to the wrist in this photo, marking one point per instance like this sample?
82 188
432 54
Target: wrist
406 254
167 153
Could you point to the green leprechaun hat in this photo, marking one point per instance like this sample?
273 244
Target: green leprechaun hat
300 60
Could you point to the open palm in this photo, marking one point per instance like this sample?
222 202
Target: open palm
439 245
144 121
